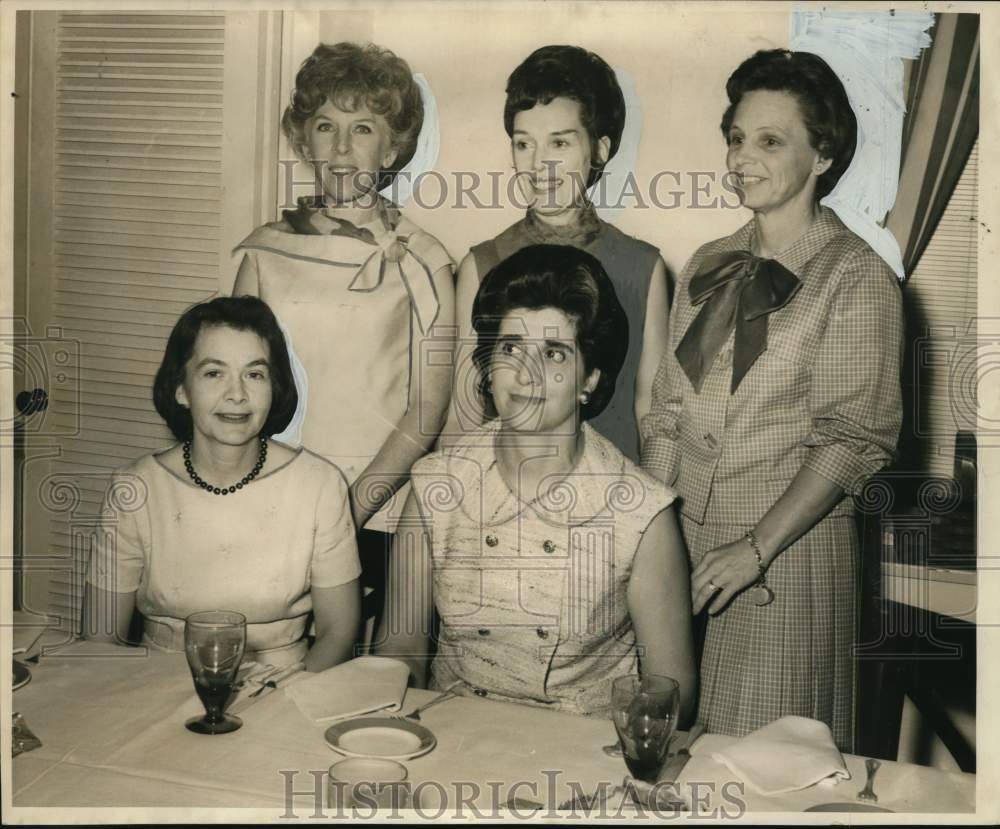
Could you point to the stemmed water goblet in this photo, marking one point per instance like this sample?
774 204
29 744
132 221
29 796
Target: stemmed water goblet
214 642
645 710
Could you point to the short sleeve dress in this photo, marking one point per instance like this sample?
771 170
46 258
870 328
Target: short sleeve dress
825 395
532 597
257 551
629 263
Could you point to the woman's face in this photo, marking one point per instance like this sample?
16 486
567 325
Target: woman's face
552 156
350 148
537 372
227 385
773 162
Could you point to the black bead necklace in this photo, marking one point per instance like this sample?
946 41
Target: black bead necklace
215 490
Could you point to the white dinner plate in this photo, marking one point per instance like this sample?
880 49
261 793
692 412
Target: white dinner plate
20 675
385 737
847 807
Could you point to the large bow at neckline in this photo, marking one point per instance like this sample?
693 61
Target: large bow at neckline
379 253
736 290
394 255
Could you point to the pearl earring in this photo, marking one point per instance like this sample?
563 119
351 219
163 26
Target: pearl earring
584 398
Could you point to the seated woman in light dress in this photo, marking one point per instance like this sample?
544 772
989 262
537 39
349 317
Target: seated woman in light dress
553 562
227 518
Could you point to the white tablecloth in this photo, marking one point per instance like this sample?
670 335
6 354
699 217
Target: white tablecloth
113 736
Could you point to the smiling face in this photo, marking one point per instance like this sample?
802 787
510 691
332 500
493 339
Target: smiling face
227 385
775 165
552 156
350 147
537 372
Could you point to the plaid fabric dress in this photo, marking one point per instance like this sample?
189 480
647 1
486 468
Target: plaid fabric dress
824 395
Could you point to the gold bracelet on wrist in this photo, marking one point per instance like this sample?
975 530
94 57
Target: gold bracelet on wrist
761 594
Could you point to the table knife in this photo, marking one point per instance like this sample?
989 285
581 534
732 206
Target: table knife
267 688
666 795
672 770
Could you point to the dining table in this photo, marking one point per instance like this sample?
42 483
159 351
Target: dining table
111 725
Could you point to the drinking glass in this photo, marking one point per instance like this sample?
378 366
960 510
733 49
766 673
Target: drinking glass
214 641
645 713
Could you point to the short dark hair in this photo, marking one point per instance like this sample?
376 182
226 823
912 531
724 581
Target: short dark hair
569 280
244 313
826 109
570 72
348 73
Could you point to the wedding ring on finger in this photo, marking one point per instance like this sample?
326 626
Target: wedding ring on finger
713 586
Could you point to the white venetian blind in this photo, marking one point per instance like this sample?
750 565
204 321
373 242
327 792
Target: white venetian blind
136 235
943 293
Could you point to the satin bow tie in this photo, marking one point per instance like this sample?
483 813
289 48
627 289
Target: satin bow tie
735 289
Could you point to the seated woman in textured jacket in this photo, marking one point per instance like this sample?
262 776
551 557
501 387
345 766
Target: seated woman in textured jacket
553 562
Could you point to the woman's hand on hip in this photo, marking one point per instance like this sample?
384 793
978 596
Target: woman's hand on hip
721 574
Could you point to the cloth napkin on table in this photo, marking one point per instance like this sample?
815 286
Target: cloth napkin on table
788 754
361 686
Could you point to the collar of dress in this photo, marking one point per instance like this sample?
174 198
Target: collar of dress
595 490
581 232
369 253
826 225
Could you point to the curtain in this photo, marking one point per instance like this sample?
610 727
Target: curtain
941 126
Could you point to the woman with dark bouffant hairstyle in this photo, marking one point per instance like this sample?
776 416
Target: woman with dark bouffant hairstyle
824 107
227 517
553 562
564 114
778 396
359 289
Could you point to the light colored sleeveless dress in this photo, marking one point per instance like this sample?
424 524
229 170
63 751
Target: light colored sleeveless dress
352 300
532 598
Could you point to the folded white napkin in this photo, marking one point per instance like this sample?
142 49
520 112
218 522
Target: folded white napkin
361 686
788 754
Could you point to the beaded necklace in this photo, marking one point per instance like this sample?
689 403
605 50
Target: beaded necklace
215 490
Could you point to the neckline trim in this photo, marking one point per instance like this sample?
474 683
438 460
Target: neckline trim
156 456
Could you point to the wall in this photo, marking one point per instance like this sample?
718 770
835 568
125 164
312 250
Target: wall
679 59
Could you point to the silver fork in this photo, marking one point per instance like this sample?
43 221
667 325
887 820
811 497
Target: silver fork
586 802
868 792
255 675
414 715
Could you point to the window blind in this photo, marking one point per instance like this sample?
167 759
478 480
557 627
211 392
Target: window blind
942 295
137 201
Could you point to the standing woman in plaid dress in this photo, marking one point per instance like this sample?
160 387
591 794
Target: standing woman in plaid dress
778 395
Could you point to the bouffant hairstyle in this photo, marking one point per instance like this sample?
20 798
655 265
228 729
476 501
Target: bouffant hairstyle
244 313
569 280
570 72
350 75
826 110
